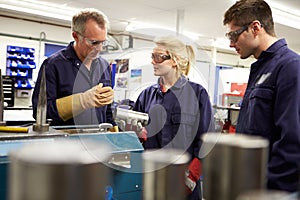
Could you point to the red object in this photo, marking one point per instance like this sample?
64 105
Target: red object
143 135
240 87
226 126
237 91
193 174
231 129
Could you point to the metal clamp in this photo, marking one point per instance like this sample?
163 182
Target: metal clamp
103 127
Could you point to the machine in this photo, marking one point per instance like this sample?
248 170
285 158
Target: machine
125 160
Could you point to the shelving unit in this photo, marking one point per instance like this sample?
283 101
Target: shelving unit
19 64
8 90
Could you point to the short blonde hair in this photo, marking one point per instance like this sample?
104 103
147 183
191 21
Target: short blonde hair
181 53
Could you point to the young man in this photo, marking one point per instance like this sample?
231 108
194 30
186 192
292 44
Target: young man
78 80
271 104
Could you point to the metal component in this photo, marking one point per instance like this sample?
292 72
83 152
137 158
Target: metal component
19 135
41 124
61 169
90 128
121 160
79 127
121 114
2 123
103 127
164 174
10 129
234 164
265 195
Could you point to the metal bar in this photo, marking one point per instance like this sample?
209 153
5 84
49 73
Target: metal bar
89 126
2 123
41 121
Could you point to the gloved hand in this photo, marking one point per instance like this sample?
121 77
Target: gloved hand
133 125
142 135
72 105
96 97
192 175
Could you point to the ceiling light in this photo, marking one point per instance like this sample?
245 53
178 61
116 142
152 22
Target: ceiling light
35 7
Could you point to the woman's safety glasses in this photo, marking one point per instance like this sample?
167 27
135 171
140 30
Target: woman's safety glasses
159 58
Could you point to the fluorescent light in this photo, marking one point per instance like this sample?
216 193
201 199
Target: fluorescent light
136 25
35 7
155 30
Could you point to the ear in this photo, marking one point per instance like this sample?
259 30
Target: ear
256 25
75 35
174 63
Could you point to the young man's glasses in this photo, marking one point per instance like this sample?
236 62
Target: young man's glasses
234 35
94 43
159 58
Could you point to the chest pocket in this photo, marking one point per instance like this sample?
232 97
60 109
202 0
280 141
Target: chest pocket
183 129
260 118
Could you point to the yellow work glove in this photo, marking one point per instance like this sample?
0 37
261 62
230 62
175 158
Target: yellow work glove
96 97
72 105
69 106
114 129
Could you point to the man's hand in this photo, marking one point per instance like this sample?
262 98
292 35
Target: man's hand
96 97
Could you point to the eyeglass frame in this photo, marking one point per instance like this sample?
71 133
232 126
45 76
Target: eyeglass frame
161 57
94 43
233 36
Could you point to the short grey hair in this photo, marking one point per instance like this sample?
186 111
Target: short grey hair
79 19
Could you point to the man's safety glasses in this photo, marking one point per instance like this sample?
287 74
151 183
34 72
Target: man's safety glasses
159 58
94 43
234 35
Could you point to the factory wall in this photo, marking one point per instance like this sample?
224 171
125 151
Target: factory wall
34 34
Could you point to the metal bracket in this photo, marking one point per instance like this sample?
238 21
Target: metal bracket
121 160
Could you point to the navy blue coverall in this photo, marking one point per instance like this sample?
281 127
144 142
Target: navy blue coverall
271 109
178 117
66 75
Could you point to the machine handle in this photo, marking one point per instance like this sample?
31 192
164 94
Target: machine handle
14 129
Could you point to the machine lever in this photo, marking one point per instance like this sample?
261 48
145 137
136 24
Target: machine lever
103 127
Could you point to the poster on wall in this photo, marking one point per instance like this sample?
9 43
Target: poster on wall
122 66
136 76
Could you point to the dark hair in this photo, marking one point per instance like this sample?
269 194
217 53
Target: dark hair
244 12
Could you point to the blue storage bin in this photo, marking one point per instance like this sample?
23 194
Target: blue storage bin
20 63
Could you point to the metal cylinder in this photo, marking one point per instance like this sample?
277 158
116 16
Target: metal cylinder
59 170
164 174
234 164
265 195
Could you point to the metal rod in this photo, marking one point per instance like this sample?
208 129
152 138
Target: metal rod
41 121
2 123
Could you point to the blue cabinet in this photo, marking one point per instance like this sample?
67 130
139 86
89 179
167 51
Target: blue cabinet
20 64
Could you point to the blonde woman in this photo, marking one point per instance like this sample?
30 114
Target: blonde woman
179 110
